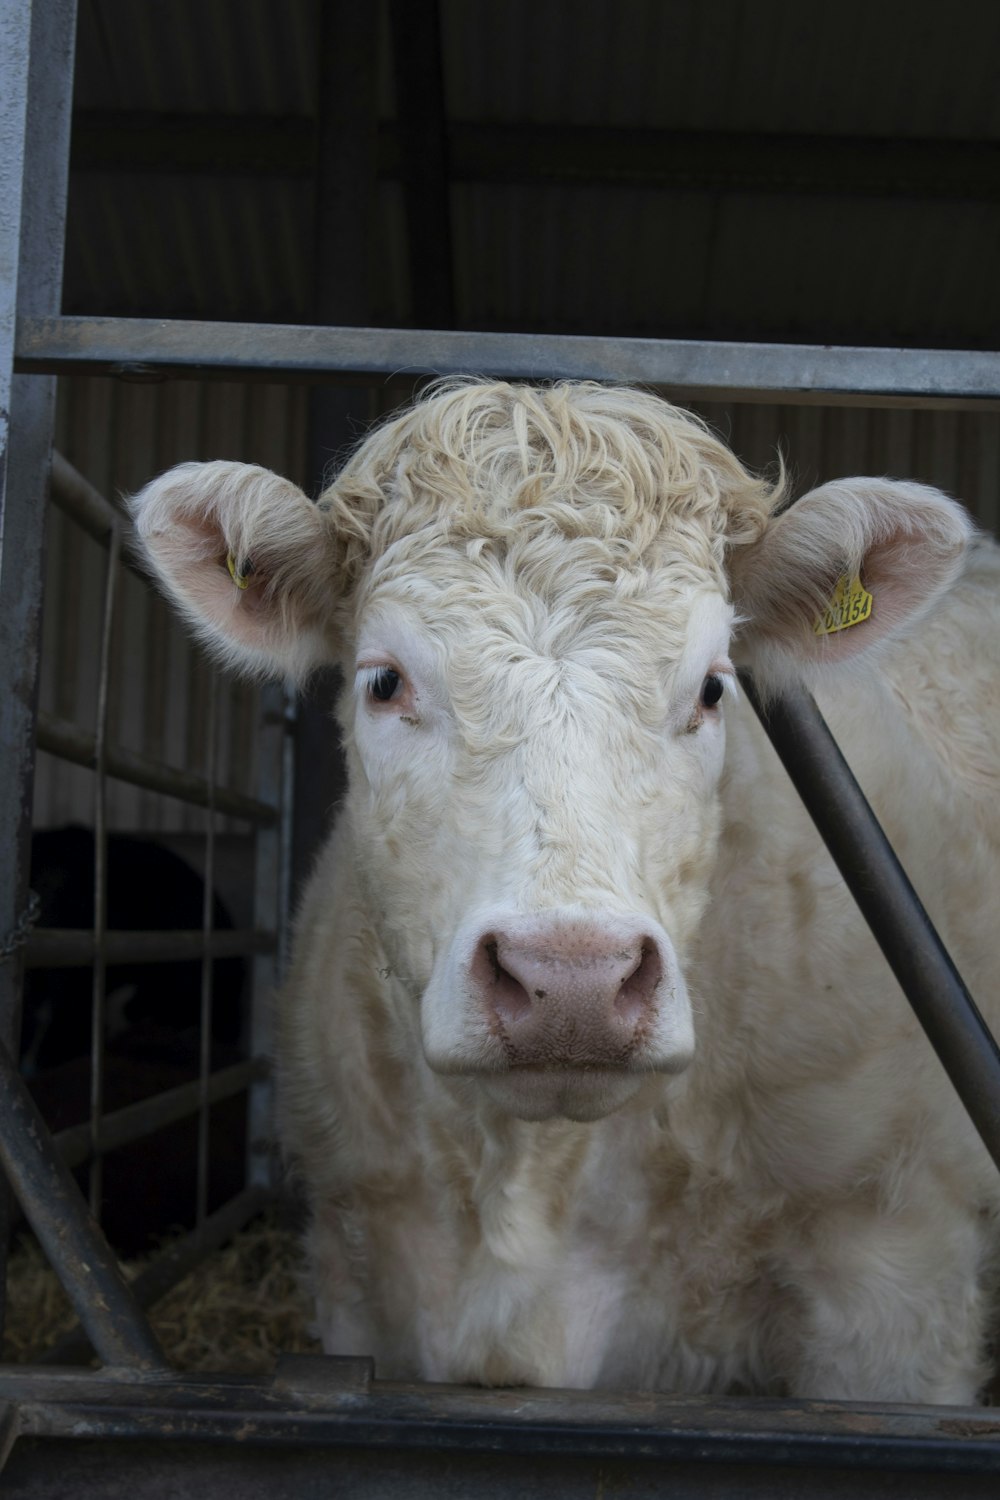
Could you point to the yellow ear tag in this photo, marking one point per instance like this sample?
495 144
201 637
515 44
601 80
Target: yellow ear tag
241 580
851 605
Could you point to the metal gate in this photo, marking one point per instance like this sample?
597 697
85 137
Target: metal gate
325 1423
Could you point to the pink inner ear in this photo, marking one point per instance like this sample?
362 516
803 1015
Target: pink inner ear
194 555
899 573
910 541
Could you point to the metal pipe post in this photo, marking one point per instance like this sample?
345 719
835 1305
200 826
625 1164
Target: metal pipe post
68 1233
888 903
37 48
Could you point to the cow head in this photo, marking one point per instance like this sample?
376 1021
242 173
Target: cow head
533 594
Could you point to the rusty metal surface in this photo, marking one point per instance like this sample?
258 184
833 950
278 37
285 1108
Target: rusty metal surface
68 1233
798 373
322 1402
169 1267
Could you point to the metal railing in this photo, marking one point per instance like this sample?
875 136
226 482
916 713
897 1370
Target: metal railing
706 369
38 1165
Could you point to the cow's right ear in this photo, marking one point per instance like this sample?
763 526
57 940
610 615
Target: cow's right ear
248 559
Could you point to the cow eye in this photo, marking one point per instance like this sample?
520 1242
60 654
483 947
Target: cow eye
384 684
711 691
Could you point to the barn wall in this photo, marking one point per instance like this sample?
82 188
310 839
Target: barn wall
959 452
119 435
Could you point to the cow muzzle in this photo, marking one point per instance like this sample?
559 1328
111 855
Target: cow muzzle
573 995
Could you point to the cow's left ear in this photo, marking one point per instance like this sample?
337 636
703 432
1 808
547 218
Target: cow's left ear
843 568
248 558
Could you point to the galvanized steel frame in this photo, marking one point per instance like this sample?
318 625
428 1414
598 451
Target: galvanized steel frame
332 1404
36 66
144 348
37 46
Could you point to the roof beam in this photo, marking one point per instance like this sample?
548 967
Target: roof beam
853 166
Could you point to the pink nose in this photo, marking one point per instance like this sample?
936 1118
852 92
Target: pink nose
568 992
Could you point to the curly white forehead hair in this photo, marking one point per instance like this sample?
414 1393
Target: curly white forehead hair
487 459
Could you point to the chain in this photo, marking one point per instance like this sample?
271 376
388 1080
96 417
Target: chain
18 934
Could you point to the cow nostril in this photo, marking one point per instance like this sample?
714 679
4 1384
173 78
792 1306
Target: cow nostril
507 996
635 995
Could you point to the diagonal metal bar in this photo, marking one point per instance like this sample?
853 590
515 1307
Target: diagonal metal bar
67 1232
10 1426
135 1121
888 903
170 1267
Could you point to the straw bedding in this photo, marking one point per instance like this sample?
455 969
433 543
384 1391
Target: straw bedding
236 1312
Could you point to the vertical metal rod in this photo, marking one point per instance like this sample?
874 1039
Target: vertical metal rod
98 1010
37 47
207 963
270 880
286 854
78 1252
15 49
888 903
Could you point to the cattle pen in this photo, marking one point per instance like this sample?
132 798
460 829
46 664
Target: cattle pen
320 1423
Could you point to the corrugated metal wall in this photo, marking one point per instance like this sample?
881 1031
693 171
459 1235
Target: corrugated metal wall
959 452
119 435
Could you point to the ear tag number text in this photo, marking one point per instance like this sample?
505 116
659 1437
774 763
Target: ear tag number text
851 604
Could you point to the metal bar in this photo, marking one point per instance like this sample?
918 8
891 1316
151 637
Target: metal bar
15 47
207 967
9 1430
797 373
37 45
60 737
77 497
888 903
270 894
170 1267
67 1232
135 1121
332 1404
98 986
73 947
181 1257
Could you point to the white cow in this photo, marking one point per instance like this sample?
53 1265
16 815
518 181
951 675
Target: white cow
591 1070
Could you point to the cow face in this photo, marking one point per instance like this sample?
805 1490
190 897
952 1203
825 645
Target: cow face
530 594
533 808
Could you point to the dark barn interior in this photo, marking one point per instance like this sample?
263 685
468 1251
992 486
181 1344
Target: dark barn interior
784 214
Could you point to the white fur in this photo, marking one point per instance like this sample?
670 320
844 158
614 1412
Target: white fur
804 1208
